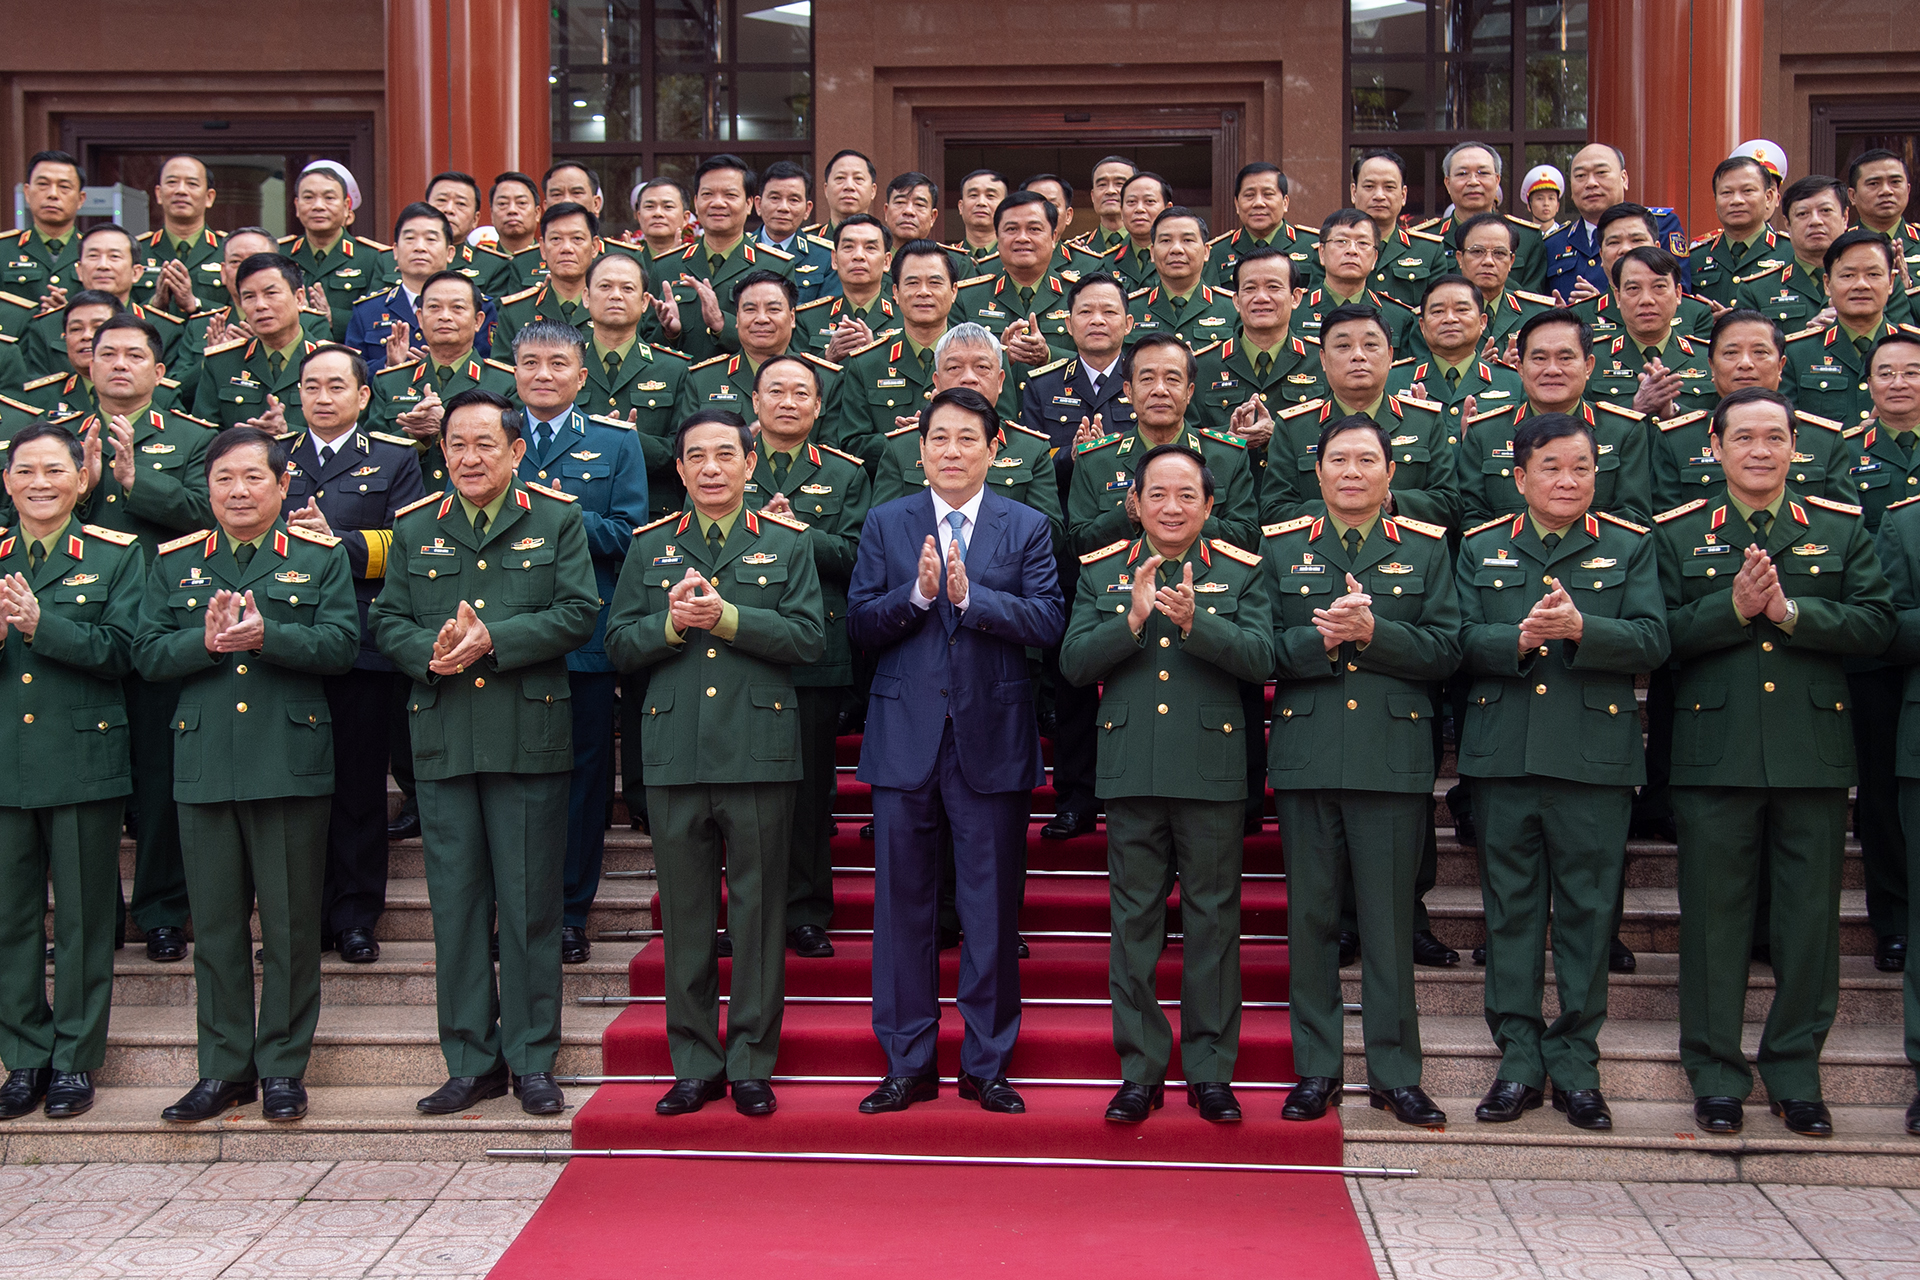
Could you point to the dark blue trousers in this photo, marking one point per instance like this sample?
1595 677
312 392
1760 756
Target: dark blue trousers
989 846
590 789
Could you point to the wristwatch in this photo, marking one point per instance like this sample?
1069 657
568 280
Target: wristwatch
1793 614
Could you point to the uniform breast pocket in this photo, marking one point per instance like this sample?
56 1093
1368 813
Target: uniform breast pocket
1291 746
241 397
1302 593
528 577
1501 597
548 702
1697 708
890 402
81 601
294 600
1595 590
1410 465
1867 479
372 486
186 743
1111 723
187 603
577 477
102 741
1221 603
435 583
1386 586
760 585
1832 731
1610 727
160 456
1705 574
817 503
775 732
1223 751
1822 574
309 737
28 279
1410 735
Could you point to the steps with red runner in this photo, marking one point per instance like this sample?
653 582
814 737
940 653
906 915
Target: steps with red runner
1081 853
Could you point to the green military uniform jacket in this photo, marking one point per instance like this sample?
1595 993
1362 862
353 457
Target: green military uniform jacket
1315 307
1170 721
1226 380
169 491
202 260
726 382
693 261
355 268
236 378
317 325
994 301
28 268
1488 383
1408 259
531 581
1827 374
254 725
60 394
1529 264
1359 719
1618 364
1103 476
885 380
1898 544
720 710
1684 465
60 695
1100 241
1623 478
645 396
1022 469
16 313
1693 319
399 388
1565 709
1878 471
1716 264
483 264
528 268
44 348
1755 706
829 493
1426 485
1299 244
1133 266
1205 316
1071 261
814 321
539 302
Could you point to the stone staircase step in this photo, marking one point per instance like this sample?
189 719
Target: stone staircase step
1640 1061
353 1045
1651 921
344 1122
1651 864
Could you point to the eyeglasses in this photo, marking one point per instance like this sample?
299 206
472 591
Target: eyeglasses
1491 254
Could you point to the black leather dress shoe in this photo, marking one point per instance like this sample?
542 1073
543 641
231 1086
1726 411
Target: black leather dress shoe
1460 804
1808 1119
574 947
210 1099
1408 1105
166 943
69 1095
992 1095
282 1098
754 1097
1349 948
358 947
1214 1101
461 1092
22 1092
725 945
1890 956
407 824
1065 826
1480 956
688 1096
1026 952
1507 1101
538 1094
948 938
810 942
1620 957
1429 950
897 1093
1718 1115
1913 1116
866 831
1584 1108
1133 1103
1309 1099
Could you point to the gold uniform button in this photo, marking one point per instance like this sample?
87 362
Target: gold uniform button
1496 582
293 599
763 580
1505 472
1162 708
1813 568
1910 480
479 604
240 670
28 678
1613 709
1539 688
1547 579
1352 705
1163 675
156 466
776 706
1211 609
103 724
1838 706
1287 714
480 564
711 691
191 602
1164 642
1225 728
433 573
1766 646
1768 686
543 475
79 599
713 653
479 682
1711 571
1351 667
28 718
1396 591
1303 590
241 707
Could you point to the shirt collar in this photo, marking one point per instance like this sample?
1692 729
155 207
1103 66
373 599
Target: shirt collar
1368 411
624 350
1541 531
1366 528
1101 374
970 508
1460 368
234 544
725 522
463 358
492 508
1746 512
291 350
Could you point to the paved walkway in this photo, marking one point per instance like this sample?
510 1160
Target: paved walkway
1470 1229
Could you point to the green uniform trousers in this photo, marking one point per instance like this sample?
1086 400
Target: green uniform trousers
1549 848
1910 821
810 864
240 853
79 846
1729 838
159 875
1427 873
1371 840
1150 841
496 841
746 826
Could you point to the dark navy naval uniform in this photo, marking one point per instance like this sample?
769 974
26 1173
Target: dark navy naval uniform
373 318
361 482
1573 254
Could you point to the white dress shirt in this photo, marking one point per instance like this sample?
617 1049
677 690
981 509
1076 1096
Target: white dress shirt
970 513
1096 377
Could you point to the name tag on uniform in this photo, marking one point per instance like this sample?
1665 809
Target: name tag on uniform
1308 568
1113 588
1717 549
659 561
439 548
1499 562
1121 480
196 577
993 313
1072 400
889 382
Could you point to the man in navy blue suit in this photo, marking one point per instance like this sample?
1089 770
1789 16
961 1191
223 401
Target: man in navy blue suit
951 586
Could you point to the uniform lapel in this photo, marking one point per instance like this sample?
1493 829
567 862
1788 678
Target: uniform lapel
347 455
512 511
270 555
988 530
64 556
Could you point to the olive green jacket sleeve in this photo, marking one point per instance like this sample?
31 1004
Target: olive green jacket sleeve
1897 543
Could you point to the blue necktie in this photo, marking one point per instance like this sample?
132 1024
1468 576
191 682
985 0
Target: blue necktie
955 519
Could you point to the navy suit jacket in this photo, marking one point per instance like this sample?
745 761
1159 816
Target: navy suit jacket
940 662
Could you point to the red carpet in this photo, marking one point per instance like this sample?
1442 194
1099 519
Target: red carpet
608 1219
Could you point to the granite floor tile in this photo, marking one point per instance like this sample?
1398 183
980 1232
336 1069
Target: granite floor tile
1456 1264
1879 1204
1859 1270
1440 1230
495 1180
318 1219
1759 1269
1429 1195
1733 1238
39 1220
459 1218
22 1182
1555 1237
385 1180
1638 1267
255 1180
213 1218
279 1257
1877 1240
47 1256
174 1258
1701 1200
122 1181
435 1255
1590 1199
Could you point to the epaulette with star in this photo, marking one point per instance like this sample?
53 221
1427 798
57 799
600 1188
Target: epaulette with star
1760 275
224 346
1091 445
842 453
1224 235
399 440
1680 510
1815 420
1211 346
520 296
551 493
417 503
968 284
1238 442
1540 298
822 361
1610 518
1421 526
710 360
1904 502
1305 406
1684 419
1141 292
1426 235
1844 508
1286 526
18 301
182 543
38 383
375 244
1232 552
857 351
781 254
291 435
655 524
1038 435
1406 360
1491 413
117 537
817 302
1049 368
383 370
11 403
900 431
310 535
1851 432
198 422
788 521
1482 528
1431 406
1631 415
1104 552
669 351
504 368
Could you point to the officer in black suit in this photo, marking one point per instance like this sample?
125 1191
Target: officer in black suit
350 483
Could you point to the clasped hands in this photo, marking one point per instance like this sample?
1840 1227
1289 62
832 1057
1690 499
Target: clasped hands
930 572
1176 601
19 607
1553 617
234 623
463 641
694 604
1348 618
1756 588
